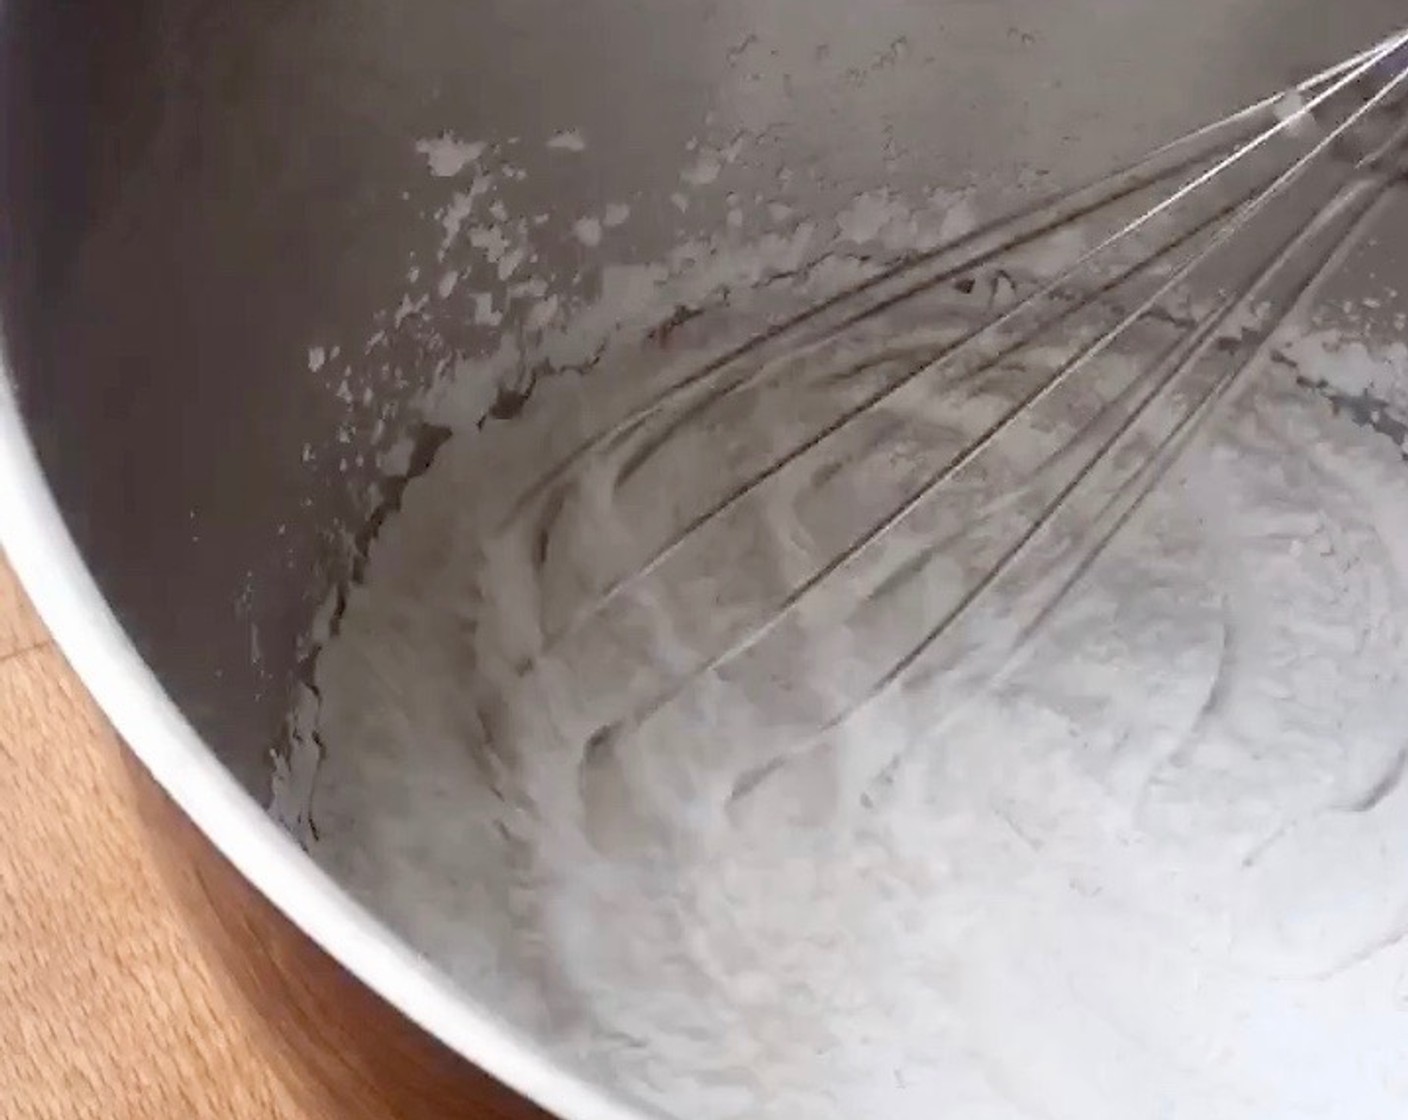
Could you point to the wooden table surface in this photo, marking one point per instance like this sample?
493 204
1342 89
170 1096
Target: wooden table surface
106 1007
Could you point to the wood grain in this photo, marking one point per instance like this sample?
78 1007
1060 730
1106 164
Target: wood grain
344 1050
107 1009
110 903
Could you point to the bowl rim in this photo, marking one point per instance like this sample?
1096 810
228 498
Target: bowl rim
48 564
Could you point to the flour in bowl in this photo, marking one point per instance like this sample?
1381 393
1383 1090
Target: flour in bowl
1126 841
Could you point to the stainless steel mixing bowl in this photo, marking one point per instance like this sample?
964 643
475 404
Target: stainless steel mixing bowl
196 191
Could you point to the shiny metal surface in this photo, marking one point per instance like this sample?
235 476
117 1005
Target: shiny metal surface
195 192
205 189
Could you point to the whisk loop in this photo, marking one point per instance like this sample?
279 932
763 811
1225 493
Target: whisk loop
1208 156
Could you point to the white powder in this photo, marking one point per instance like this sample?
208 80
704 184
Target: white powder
1151 862
588 231
446 156
484 313
568 141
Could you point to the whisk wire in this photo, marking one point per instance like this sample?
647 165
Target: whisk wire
786 608
623 584
1157 382
1354 67
1346 73
1178 442
1245 213
1120 508
1175 443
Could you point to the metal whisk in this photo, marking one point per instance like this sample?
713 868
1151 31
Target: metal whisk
1257 208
